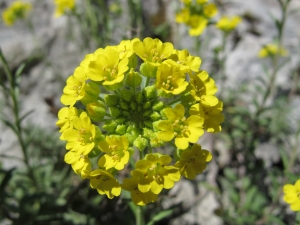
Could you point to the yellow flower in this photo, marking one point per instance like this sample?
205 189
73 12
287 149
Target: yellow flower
228 24
202 1
117 154
212 116
65 118
292 195
153 51
210 10
104 182
79 88
138 197
271 50
186 1
154 174
81 138
62 6
193 161
183 15
184 130
171 78
125 48
108 67
78 162
197 24
203 88
185 60
17 10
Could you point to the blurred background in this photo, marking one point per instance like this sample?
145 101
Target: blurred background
254 155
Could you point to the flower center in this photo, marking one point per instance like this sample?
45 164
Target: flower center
180 128
84 137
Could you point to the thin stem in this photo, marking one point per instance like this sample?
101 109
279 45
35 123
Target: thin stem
174 101
139 215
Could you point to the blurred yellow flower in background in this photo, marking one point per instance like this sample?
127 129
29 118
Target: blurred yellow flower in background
62 6
271 50
228 24
292 195
17 10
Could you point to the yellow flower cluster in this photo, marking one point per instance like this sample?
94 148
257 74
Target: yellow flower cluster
62 6
292 195
17 10
228 24
196 15
116 107
271 50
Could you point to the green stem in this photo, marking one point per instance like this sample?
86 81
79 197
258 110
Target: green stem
174 101
139 215
147 82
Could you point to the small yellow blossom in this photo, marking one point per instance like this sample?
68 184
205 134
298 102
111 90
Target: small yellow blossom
65 118
154 173
193 161
125 48
17 10
292 195
62 6
211 114
153 51
197 24
203 88
170 78
228 24
104 182
201 1
185 60
138 197
183 15
184 130
78 162
210 10
108 67
81 138
271 50
117 154
186 1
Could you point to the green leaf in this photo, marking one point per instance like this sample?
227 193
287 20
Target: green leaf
284 157
161 216
6 179
249 197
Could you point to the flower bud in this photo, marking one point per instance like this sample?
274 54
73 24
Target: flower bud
124 105
147 113
126 95
147 105
120 120
139 98
125 113
92 92
158 105
111 100
133 61
133 79
121 129
96 110
148 124
115 112
155 116
150 92
141 143
133 105
148 70
110 126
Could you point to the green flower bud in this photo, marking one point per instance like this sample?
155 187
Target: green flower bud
129 129
130 137
133 105
139 98
115 112
148 70
147 113
111 100
124 105
135 132
150 92
147 105
141 143
96 110
133 61
139 108
126 95
125 113
133 79
110 126
148 124
121 129
120 120
158 105
155 116
92 92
